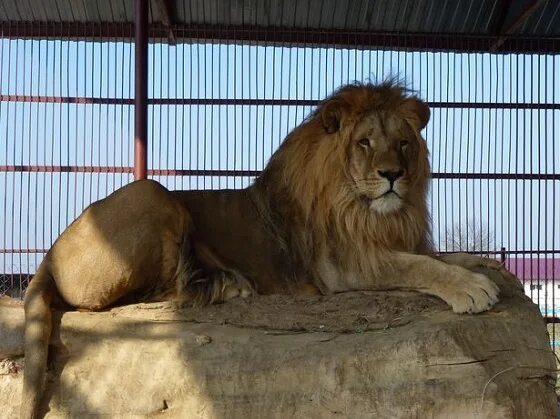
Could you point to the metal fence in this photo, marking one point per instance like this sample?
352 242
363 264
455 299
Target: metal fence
218 109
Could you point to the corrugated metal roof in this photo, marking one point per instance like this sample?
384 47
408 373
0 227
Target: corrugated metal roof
479 17
523 26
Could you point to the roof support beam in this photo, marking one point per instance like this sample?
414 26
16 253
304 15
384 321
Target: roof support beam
499 15
527 12
167 18
283 37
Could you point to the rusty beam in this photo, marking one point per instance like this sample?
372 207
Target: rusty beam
250 173
499 15
82 100
78 100
141 90
526 13
126 169
167 15
287 37
488 252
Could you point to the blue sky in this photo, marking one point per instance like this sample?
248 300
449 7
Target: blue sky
35 207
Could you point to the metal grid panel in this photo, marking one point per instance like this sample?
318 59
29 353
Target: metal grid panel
57 156
217 112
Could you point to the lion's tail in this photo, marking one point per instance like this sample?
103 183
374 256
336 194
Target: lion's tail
38 326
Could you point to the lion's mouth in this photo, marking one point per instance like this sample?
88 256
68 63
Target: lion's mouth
367 200
389 192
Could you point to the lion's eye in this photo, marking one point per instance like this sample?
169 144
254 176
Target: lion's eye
403 144
364 142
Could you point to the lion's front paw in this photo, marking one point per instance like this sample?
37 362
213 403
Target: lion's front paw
469 292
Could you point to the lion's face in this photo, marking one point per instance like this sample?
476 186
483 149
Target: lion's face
385 157
361 149
382 157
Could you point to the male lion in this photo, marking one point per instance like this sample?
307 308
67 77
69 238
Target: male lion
340 206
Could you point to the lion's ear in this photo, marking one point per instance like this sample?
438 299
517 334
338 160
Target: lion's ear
419 110
331 115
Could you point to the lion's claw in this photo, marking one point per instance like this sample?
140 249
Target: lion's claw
469 292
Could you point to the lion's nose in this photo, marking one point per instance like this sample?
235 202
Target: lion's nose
391 176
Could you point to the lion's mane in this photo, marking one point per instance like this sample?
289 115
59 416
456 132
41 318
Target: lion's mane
307 185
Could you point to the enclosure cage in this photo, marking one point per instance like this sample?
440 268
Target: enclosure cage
227 80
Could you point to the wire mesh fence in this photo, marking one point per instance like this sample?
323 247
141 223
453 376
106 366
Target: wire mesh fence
217 110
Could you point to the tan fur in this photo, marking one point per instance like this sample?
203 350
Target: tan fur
319 219
125 247
312 169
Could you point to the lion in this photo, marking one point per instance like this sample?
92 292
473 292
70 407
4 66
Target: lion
340 206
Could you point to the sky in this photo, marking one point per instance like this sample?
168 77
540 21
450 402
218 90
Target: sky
36 207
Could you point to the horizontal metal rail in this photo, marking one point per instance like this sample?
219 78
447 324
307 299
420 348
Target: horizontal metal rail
125 169
508 252
498 176
249 173
254 102
23 251
486 252
82 100
274 35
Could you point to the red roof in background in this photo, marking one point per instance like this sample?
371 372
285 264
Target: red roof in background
534 268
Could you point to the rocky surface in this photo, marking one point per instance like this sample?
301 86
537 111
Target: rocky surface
358 355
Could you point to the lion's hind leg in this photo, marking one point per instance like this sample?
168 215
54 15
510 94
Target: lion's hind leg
200 287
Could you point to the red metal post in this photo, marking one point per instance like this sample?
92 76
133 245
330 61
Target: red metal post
141 90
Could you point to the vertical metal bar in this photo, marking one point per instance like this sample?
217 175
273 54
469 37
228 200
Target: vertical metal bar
266 122
281 81
442 137
230 92
192 179
553 198
90 79
157 110
524 214
76 125
182 130
29 175
210 129
203 132
67 129
272 95
528 139
162 110
109 136
256 108
141 89
447 95
200 94
4 241
168 109
16 211
233 82
496 169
